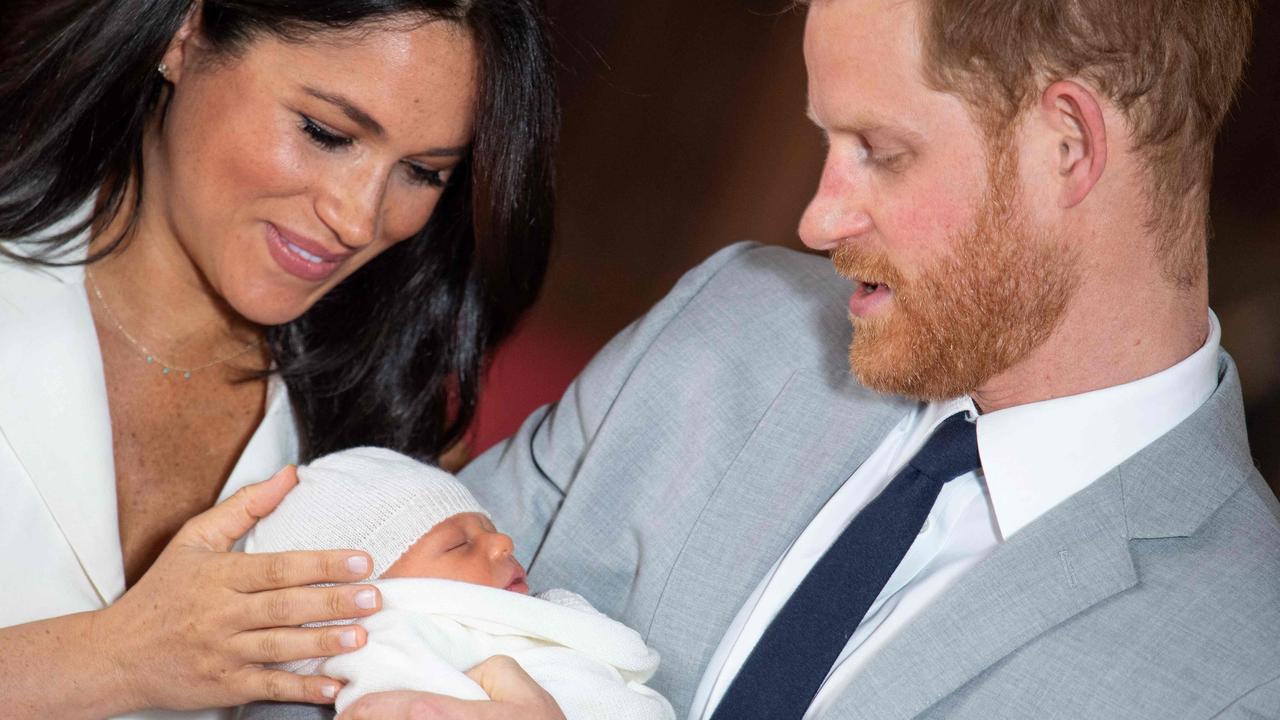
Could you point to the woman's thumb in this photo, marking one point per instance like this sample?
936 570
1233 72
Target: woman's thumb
219 527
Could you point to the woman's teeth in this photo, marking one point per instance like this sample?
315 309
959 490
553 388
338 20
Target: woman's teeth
304 254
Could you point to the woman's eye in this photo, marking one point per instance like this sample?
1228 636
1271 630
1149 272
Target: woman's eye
420 175
323 137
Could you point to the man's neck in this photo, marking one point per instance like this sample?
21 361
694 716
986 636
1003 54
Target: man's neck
1110 337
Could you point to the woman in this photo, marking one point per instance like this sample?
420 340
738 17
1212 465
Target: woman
242 233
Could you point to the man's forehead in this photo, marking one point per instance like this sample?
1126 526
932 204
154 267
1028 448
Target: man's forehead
863 63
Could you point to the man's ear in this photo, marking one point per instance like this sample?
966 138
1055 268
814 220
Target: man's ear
183 47
1074 116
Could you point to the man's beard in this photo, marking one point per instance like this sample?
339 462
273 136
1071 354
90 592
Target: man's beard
974 313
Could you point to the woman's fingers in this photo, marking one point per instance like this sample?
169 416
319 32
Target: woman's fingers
219 527
296 606
278 645
271 571
281 686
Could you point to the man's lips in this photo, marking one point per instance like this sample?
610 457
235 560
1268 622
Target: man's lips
869 298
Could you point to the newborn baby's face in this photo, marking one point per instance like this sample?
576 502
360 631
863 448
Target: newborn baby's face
465 547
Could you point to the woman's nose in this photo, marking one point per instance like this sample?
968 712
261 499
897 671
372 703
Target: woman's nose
351 207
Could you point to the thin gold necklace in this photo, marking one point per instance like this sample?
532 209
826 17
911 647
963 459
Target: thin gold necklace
165 368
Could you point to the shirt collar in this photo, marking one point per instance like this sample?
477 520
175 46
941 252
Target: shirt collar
1037 455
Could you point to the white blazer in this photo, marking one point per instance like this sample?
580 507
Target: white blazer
58 525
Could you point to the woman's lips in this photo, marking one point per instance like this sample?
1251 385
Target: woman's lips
300 257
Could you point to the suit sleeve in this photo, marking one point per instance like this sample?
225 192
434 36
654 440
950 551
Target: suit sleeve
284 711
1261 703
523 480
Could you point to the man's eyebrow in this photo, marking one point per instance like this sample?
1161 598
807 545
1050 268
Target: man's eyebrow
863 123
348 108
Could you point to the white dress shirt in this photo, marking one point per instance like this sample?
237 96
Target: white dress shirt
1034 457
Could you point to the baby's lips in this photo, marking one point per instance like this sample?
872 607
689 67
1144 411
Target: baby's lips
518 581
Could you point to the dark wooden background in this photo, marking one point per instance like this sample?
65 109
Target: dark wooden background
685 131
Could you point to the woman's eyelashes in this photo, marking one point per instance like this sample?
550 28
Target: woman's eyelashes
324 137
333 141
425 176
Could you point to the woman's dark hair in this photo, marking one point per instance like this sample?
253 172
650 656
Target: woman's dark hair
393 355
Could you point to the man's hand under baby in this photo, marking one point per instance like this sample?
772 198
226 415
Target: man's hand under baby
514 695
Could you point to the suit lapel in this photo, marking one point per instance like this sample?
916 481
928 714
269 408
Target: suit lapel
1067 561
1056 568
804 447
54 413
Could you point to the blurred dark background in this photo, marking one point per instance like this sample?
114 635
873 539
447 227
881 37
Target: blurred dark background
685 131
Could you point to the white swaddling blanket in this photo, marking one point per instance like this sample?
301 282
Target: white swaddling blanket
429 632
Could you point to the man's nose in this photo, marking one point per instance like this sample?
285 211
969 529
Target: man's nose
351 207
838 211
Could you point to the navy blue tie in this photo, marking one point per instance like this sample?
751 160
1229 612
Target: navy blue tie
787 667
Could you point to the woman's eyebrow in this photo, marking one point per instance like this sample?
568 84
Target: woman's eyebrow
366 121
348 108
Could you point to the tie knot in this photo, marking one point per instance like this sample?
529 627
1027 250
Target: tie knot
951 451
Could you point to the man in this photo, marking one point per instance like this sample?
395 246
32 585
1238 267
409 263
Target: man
1018 190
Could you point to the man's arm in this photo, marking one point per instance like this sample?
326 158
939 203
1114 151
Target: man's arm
1262 703
284 711
523 480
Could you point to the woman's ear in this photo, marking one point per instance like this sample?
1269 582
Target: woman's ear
1073 115
178 56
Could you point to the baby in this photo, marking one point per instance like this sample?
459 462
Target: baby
452 593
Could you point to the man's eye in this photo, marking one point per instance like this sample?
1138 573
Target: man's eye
322 136
890 161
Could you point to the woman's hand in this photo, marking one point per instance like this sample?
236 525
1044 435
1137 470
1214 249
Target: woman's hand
197 628
514 695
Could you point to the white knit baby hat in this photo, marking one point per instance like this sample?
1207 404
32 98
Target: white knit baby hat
367 498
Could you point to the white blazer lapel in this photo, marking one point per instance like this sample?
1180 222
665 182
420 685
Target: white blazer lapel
54 414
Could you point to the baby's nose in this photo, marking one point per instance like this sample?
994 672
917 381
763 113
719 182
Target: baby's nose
499 544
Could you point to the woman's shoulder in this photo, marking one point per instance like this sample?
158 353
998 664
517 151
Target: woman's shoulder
26 283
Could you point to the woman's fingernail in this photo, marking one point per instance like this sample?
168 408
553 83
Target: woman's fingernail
366 599
358 564
329 691
347 638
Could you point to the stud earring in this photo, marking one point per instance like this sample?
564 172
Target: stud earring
164 70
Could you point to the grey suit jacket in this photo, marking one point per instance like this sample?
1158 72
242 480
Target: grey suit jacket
701 441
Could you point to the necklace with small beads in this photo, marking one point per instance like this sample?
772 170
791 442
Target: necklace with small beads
167 369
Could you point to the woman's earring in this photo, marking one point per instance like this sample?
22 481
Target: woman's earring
164 70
